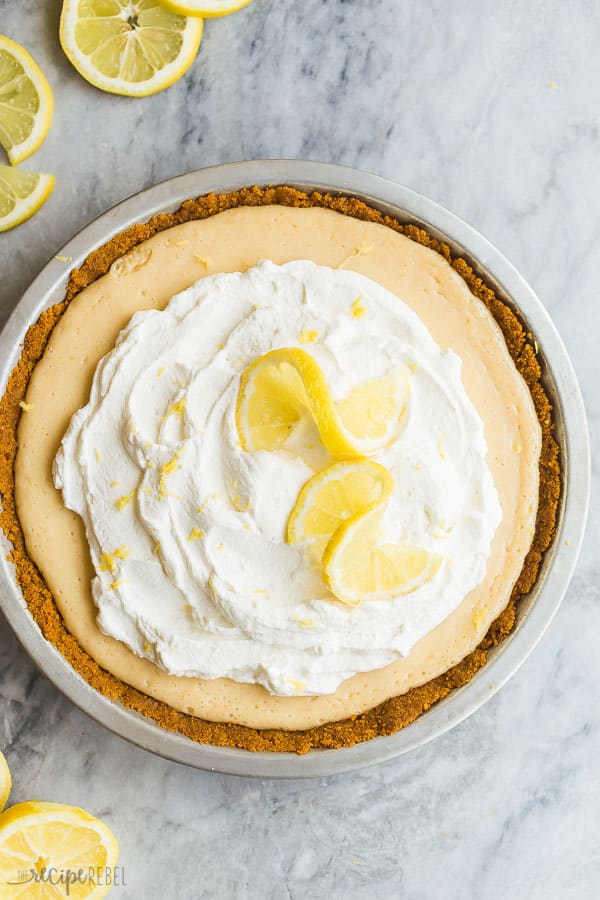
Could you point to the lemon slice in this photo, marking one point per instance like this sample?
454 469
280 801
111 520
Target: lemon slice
277 390
332 496
21 194
208 9
358 567
130 47
5 781
37 836
26 102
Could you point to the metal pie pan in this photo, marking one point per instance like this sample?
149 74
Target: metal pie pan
535 612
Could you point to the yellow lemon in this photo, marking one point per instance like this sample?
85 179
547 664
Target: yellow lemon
21 194
280 387
358 567
37 837
5 782
26 102
130 47
207 9
332 496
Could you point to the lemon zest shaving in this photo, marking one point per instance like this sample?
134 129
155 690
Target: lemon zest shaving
361 250
308 335
165 470
196 533
440 447
304 623
177 408
206 262
108 560
124 501
358 309
478 617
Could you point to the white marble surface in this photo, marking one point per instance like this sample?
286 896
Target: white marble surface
491 108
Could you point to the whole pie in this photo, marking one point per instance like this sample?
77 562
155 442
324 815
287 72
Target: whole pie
277 470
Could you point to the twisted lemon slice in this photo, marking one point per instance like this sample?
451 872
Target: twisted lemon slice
338 512
332 496
38 838
357 566
277 389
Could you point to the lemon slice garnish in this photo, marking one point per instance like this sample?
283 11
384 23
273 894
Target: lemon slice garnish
65 839
337 514
279 388
334 495
357 566
21 194
5 781
208 9
130 47
26 102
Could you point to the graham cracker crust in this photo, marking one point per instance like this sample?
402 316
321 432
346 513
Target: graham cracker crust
389 716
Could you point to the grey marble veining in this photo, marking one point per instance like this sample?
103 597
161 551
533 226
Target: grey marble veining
490 108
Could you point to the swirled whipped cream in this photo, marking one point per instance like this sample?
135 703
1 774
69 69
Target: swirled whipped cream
187 530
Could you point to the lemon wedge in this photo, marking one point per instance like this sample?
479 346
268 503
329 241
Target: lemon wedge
5 782
207 9
130 47
334 495
358 567
26 102
21 194
37 836
280 387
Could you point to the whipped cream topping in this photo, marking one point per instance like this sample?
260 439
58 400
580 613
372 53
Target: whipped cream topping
187 530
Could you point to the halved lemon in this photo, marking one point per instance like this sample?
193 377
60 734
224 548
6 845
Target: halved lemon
5 782
21 194
207 9
130 47
358 567
26 102
334 495
278 388
62 840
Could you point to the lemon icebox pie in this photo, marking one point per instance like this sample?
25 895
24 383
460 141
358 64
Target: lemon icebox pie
277 470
